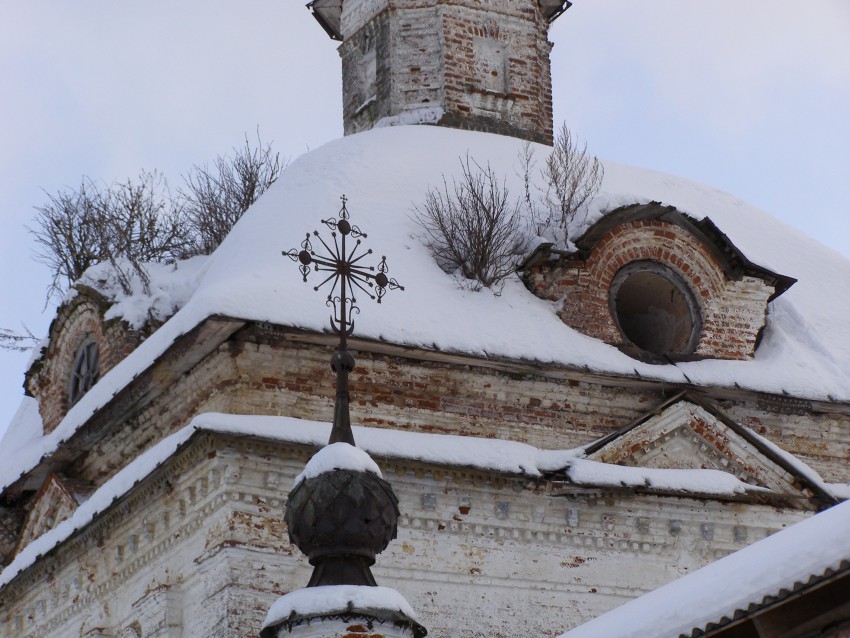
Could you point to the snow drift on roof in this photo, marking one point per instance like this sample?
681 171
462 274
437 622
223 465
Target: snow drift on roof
806 347
805 351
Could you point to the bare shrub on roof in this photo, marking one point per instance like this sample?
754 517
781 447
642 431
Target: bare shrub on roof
215 196
126 223
572 179
527 169
66 235
140 224
473 227
138 221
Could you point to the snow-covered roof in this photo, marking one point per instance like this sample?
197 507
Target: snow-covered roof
509 457
805 350
806 346
766 568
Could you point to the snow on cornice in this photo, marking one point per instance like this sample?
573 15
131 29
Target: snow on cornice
494 455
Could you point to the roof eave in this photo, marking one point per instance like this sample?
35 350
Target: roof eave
552 9
328 14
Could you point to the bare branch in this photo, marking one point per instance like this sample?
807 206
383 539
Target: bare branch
140 226
137 221
16 341
538 219
215 197
573 178
65 232
127 224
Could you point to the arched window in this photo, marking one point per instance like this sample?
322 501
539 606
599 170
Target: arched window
86 371
655 309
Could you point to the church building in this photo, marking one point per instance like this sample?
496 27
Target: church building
665 386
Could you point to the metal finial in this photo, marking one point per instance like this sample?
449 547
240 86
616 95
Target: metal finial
346 272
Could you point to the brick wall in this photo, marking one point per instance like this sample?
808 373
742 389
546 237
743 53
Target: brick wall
483 66
821 440
209 388
77 323
733 312
261 373
257 377
497 74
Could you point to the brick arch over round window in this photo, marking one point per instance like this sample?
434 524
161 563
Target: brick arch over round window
732 293
78 323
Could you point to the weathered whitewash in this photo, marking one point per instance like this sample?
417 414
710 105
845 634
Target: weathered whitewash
549 464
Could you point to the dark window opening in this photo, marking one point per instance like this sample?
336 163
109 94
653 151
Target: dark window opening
86 371
655 310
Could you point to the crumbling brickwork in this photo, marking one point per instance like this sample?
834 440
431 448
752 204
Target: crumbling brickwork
262 371
733 311
77 322
459 63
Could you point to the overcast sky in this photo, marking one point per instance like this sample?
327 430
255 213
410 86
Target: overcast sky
751 97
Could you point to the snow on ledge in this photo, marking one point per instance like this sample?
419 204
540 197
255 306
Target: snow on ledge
494 455
428 115
334 599
338 456
707 482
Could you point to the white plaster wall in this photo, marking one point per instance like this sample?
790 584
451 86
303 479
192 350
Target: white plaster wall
200 551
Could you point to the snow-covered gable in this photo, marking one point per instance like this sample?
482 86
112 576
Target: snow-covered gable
686 434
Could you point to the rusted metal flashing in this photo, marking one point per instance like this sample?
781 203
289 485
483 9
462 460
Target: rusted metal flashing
783 404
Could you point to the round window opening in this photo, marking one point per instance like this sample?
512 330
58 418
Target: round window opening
655 310
86 371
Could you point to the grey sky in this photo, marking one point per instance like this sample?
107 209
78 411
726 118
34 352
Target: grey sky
752 97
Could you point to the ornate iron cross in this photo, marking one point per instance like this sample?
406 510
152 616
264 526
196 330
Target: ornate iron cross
346 274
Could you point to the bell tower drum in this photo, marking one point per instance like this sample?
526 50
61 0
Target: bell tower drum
471 64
